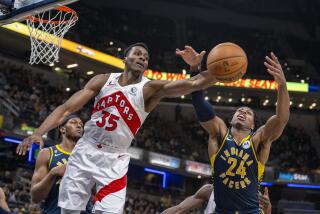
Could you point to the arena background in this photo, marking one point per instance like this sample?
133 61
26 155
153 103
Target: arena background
169 154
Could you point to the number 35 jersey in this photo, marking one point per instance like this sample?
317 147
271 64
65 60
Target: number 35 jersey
236 174
117 115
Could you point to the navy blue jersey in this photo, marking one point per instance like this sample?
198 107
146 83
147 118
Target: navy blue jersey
57 157
236 174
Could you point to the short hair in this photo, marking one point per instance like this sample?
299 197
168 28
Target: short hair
141 44
71 116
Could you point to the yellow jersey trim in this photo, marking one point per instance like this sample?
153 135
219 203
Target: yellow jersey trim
260 165
62 151
242 141
51 155
213 157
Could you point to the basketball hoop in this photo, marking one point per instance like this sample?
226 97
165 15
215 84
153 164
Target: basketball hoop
46 32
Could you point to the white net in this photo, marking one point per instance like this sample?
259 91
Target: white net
46 32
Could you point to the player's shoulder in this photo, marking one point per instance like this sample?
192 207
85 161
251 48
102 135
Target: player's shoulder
101 77
153 88
157 82
97 82
46 151
216 127
44 155
256 135
259 129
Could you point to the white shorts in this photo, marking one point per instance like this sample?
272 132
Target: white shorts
90 165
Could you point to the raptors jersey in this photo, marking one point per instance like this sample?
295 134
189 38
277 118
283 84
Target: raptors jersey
117 115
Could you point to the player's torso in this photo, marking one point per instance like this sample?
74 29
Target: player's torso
237 174
117 115
57 157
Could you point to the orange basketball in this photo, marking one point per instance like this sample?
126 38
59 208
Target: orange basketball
227 62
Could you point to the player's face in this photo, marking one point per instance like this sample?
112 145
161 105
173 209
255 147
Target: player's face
74 128
244 117
137 59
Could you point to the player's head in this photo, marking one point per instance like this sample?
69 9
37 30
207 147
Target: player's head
243 118
72 128
136 58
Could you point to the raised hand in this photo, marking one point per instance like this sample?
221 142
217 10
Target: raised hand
190 56
27 143
274 68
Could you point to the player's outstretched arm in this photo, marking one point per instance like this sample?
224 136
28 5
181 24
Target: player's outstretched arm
214 125
43 179
194 201
73 104
154 91
204 110
275 125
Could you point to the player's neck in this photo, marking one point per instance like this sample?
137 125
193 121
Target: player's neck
239 132
128 78
67 144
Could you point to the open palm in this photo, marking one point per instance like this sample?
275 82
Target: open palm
274 68
190 56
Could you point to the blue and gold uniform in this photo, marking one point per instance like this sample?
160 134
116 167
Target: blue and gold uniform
237 174
57 157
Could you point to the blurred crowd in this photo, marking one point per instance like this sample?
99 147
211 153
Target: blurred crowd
16 187
33 95
142 205
294 151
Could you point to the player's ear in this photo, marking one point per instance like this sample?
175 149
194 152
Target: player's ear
62 130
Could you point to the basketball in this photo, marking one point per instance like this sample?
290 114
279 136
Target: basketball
227 62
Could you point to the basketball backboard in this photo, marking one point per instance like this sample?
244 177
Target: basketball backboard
20 9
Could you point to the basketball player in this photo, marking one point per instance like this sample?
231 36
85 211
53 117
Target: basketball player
238 154
122 103
205 195
51 165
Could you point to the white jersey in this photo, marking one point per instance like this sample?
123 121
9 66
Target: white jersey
211 205
117 115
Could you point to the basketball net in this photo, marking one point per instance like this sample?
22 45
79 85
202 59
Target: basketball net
47 30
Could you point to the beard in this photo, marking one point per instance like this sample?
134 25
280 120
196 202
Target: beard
73 137
240 126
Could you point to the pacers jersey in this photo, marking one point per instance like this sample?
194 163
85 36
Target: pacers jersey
237 174
57 157
117 115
